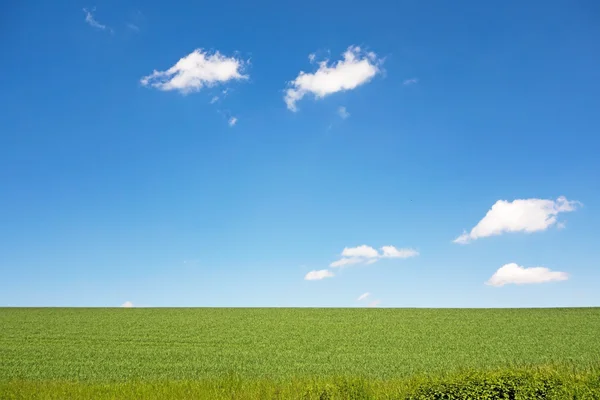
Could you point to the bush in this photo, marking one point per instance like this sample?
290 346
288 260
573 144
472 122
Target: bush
512 386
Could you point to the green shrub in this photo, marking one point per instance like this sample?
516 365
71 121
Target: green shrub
507 385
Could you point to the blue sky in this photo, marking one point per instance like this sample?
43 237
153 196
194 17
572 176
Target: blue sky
202 187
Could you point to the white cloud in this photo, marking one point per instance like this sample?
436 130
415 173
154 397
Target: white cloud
91 21
392 252
411 81
214 99
343 112
374 303
195 71
232 121
346 261
311 57
525 215
318 275
355 69
363 296
515 274
368 255
133 27
360 251
127 304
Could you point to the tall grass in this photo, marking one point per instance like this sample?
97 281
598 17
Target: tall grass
501 384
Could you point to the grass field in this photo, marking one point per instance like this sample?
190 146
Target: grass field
289 353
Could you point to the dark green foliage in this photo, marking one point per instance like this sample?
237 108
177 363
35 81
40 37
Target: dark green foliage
508 385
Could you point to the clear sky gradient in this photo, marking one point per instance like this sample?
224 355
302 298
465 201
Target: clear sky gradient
114 191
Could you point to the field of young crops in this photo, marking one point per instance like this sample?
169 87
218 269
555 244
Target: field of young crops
283 353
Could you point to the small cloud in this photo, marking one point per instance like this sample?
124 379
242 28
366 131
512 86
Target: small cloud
195 71
523 215
232 121
214 99
342 262
311 57
357 68
363 296
374 303
127 304
133 27
342 112
360 251
517 275
318 275
135 21
368 255
392 252
411 81
91 21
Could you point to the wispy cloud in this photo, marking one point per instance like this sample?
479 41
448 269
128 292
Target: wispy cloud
356 68
127 304
517 275
392 252
374 303
133 27
524 215
91 20
344 261
368 255
318 275
363 296
195 71
214 99
232 121
411 81
342 112
135 21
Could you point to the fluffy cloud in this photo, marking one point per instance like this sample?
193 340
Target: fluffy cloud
196 70
232 121
360 251
127 304
368 255
355 69
525 215
515 274
318 275
91 21
363 296
342 112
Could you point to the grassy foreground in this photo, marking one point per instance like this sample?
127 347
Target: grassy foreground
299 353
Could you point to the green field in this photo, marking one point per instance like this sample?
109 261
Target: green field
293 353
